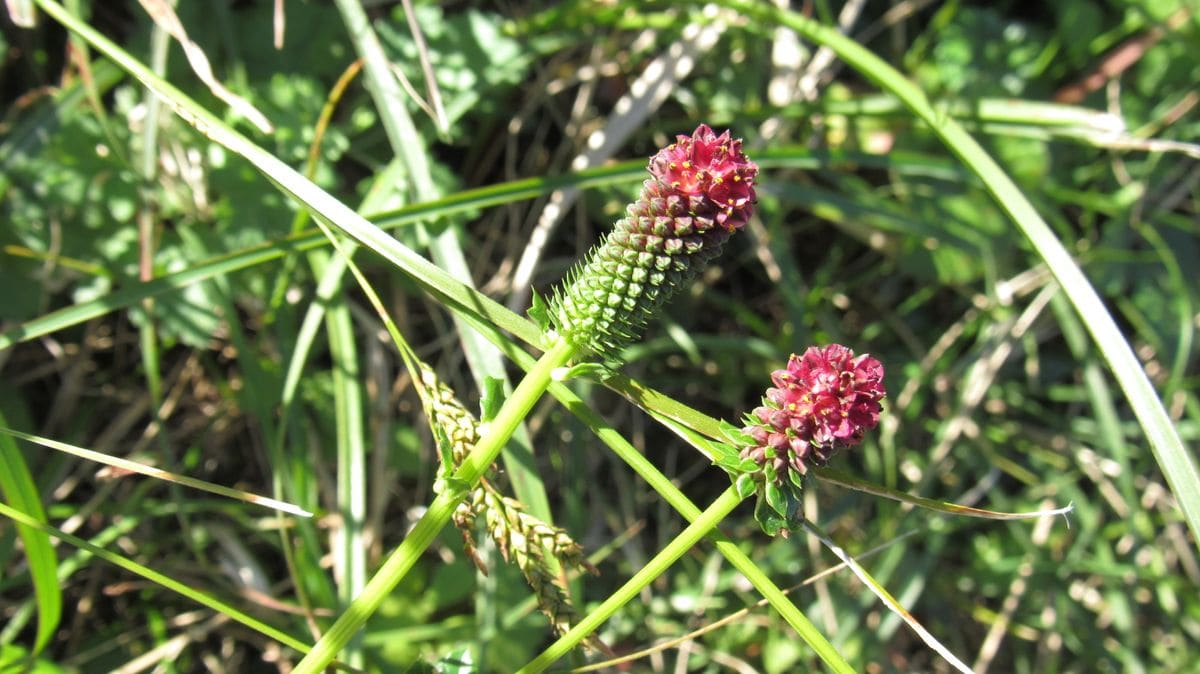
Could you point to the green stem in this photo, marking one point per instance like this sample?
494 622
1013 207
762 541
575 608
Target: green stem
698 529
728 549
473 466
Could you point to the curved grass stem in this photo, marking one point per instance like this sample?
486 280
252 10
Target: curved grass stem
1176 461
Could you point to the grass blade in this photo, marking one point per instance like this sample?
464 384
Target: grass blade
482 358
20 491
887 599
202 598
151 471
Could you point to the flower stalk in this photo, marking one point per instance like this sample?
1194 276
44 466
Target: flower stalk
698 529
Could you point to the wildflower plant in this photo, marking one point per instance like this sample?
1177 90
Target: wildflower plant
700 191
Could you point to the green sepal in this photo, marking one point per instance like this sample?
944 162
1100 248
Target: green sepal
492 398
735 435
779 508
539 312
745 485
727 457
747 466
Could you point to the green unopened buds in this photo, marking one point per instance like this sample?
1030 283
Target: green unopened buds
701 192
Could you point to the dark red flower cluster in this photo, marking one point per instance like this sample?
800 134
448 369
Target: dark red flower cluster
826 399
712 169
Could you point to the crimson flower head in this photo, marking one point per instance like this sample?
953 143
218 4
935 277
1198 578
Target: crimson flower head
825 399
700 191
712 170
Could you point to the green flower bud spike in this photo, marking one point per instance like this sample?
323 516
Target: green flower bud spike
700 193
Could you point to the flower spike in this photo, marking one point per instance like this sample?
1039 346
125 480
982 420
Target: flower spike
826 399
701 190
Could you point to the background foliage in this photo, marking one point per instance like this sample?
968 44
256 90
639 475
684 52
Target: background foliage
868 234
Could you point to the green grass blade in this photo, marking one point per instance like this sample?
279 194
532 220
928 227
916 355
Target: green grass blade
1177 463
323 205
888 600
151 471
21 493
465 201
351 551
202 598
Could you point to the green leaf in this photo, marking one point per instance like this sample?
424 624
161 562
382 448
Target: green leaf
775 498
539 312
745 485
13 658
779 507
772 523
492 398
797 479
21 493
725 456
735 435
596 371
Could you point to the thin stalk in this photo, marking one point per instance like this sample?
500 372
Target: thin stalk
398 564
698 529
